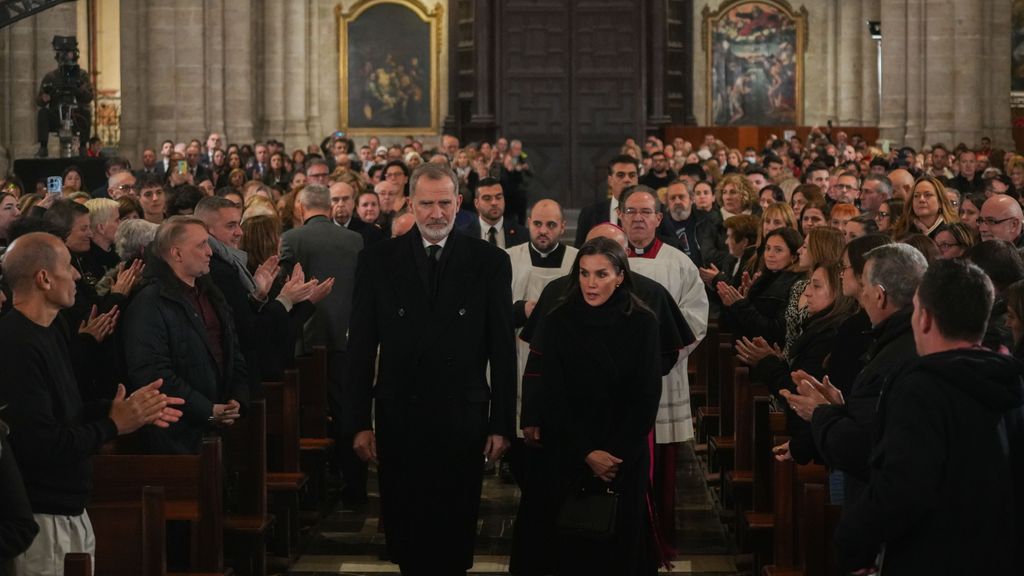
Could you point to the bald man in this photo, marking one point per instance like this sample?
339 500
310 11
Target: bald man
902 183
535 536
53 433
1000 219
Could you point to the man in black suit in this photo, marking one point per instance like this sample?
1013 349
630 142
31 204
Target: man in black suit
343 206
150 165
438 305
623 172
326 250
491 224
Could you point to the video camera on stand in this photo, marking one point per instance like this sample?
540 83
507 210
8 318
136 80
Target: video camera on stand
63 88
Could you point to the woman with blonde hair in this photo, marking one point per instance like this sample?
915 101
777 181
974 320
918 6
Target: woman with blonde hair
778 215
927 210
258 206
736 195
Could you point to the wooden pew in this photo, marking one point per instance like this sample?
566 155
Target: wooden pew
816 522
737 484
131 535
193 492
247 524
77 564
720 446
708 413
285 479
316 444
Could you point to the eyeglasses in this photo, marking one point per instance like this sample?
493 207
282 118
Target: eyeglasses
881 214
993 222
126 187
844 187
954 203
945 246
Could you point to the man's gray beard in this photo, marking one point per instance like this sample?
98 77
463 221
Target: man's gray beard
679 214
435 235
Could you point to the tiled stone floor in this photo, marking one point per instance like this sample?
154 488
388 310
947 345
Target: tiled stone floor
348 543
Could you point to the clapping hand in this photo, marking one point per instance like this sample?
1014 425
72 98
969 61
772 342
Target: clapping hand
728 294
708 274
810 394
321 291
126 277
99 326
750 352
147 405
265 275
296 289
748 281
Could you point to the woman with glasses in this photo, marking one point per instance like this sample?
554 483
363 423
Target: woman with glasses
955 240
888 213
929 209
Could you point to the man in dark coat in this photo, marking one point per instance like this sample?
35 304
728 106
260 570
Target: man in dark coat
843 432
438 305
946 489
699 234
179 328
490 223
623 172
326 250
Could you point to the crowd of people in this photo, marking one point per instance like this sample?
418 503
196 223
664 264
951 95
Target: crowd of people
879 294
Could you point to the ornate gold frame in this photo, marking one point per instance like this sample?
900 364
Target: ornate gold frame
710 18
432 16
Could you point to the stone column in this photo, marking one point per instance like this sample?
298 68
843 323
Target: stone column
238 72
869 66
273 69
296 25
188 72
315 41
20 108
893 114
214 18
941 65
850 30
158 71
995 64
967 77
916 64
132 103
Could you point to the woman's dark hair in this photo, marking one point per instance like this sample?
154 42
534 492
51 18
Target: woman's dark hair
616 255
924 245
128 204
791 237
1000 260
63 213
858 247
976 198
843 306
896 209
965 236
72 168
183 199
820 205
777 194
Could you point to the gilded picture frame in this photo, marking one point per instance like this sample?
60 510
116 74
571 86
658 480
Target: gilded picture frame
389 57
755 63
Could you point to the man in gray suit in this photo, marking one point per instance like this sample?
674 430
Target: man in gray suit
326 250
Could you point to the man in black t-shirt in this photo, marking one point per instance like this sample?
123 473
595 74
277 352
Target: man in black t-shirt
52 432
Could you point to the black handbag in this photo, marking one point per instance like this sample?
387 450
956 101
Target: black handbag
589 511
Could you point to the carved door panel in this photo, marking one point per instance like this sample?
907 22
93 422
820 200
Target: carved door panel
570 87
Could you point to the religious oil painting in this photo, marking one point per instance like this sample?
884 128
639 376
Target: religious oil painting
1017 56
755 63
389 66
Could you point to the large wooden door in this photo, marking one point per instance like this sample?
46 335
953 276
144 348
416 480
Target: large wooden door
570 86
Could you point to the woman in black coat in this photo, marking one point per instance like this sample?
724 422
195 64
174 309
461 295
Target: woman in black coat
762 311
602 383
827 309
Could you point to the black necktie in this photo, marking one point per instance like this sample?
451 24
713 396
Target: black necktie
492 236
433 253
